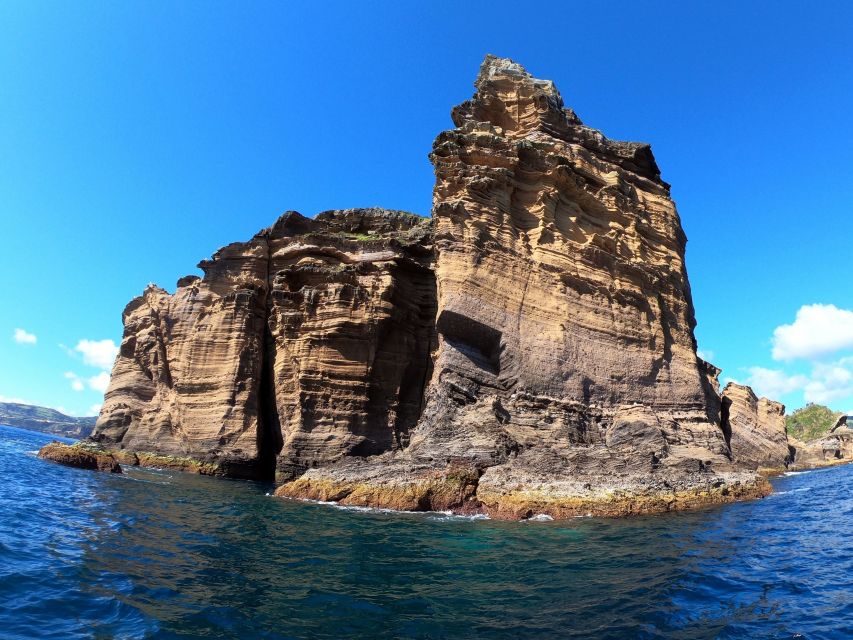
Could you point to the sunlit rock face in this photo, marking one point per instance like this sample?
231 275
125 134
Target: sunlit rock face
566 367
756 429
306 343
563 295
528 350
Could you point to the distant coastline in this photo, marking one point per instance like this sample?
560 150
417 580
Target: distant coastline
45 420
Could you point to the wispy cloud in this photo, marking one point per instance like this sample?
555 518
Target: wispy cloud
99 382
822 336
774 383
95 409
98 353
22 336
76 382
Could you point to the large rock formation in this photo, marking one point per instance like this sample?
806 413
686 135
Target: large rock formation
528 350
308 342
566 361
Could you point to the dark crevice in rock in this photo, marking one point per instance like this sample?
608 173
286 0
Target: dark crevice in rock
725 408
270 441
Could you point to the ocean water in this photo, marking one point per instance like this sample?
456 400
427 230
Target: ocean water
155 554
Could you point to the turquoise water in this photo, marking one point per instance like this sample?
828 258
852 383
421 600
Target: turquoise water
155 554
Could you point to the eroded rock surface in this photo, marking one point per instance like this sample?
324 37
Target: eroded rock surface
308 342
756 429
80 456
832 449
566 359
528 350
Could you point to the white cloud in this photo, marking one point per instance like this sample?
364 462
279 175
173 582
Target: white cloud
94 410
706 355
830 382
773 383
24 337
98 353
100 382
76 382
818 330
825 384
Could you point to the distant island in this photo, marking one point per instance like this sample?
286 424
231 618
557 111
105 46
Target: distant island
45 420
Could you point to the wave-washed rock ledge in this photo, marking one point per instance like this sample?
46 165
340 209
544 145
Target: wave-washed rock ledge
467 491
81 456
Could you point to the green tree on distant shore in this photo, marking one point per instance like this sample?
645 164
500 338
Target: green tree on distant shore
812 421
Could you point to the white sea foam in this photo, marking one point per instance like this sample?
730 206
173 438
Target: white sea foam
432 515
447 516
540 517
797 490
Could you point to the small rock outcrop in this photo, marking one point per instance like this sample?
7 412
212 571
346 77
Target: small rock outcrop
828 450
755 428
528 350
80 456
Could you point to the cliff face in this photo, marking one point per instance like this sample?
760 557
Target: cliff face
755 428
563 296
528 350
306 343
566 359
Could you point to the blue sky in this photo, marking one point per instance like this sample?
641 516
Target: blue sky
137 138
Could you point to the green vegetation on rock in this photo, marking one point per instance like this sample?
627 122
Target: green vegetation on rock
812 421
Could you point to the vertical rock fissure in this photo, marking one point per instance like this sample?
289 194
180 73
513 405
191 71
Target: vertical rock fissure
270 441
725 407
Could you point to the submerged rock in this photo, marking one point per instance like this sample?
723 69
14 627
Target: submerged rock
80 456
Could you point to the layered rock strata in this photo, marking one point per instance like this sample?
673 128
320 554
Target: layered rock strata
755 428
528 350
834 448
566 373
309 342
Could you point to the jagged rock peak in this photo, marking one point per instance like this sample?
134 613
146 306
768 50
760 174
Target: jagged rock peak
510 102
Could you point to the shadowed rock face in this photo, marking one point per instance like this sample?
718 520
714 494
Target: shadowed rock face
833 448
528 350
306 343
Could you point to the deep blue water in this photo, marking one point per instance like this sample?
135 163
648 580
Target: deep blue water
154 554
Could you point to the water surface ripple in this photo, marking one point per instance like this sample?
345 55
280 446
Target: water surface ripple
155 554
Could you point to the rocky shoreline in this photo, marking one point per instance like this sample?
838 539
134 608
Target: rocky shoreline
528 349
